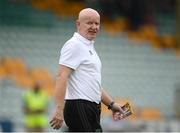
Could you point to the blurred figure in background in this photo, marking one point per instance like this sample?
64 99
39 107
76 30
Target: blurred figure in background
35 103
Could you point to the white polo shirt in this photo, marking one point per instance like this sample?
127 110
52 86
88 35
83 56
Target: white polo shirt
79 54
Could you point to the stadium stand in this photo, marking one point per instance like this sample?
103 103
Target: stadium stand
31 37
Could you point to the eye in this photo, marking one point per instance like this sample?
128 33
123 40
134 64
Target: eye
96 23
89 23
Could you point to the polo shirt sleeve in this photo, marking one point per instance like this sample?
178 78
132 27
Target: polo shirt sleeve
70 56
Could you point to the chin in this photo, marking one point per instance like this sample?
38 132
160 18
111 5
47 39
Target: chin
92 37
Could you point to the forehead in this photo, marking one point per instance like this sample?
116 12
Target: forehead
89 15
91 18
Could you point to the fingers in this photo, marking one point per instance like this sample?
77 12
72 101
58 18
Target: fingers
122 111
121 115
57 119
56 123
118 116
125 110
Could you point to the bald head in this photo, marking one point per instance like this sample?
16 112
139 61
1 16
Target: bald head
88 23
86 13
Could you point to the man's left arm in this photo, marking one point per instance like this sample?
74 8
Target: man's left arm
106 98
109 102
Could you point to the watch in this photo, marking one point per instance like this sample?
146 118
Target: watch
110 105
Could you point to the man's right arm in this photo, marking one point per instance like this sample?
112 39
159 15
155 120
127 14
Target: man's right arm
60 90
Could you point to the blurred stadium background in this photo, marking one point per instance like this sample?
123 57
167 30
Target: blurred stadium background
138 44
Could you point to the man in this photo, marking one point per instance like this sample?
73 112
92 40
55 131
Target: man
35 108
79 79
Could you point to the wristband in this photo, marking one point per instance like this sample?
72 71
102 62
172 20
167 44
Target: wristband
110 105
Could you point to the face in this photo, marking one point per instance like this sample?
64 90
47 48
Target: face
88 26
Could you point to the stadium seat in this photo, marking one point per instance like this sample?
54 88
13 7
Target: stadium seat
115 26
177 52
151 114
43 76
2 70
24 81
14 66
105 111
169 41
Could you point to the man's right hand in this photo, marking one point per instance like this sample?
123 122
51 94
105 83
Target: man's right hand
57 119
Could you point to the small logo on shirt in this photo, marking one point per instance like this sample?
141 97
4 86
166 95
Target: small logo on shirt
90 52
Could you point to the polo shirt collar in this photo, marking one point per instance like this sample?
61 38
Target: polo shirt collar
83 39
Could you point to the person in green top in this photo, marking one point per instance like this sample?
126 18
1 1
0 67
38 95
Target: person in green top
35 105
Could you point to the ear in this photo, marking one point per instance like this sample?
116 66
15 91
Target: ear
77 23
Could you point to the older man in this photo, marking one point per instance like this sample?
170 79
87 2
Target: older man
79 79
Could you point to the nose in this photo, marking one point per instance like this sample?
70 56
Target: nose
94 26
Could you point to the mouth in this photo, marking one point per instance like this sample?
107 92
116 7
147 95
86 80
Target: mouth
92 32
